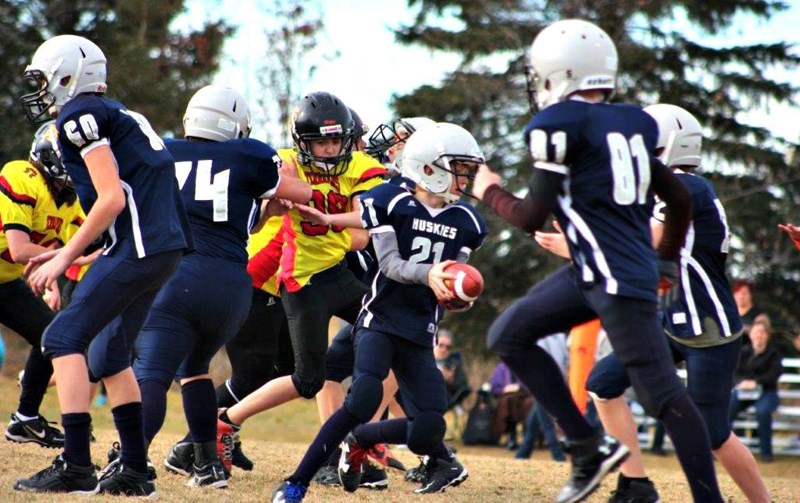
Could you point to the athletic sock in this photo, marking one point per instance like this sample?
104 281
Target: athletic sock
328 439
77 435
200 407
393 431
154 407
129 421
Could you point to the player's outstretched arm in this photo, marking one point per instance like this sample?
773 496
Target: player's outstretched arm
351 219
528 214
293 189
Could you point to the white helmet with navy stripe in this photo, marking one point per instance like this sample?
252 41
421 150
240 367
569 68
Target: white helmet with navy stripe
569 56
62 68
430 152
680 137
217 113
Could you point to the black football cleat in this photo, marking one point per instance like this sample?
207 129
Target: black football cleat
441 474
350 463
592 460
61 477
180 459
36 430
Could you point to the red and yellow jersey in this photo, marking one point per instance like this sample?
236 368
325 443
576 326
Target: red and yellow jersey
310 248
264 250
27 205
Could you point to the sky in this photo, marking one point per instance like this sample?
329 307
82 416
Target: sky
371 66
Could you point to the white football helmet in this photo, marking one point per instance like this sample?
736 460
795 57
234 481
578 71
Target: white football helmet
680 137
429 153
217 113
568 56
62 68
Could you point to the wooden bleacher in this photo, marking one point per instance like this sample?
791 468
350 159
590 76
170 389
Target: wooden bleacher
785 422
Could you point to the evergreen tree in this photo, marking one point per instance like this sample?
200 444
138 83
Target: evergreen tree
661 60
153 68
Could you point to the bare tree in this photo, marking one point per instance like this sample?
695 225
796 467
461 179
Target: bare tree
289 61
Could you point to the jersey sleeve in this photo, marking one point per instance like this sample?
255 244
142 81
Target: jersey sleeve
375 208
478 225
18 195
369 173
264 175
85 128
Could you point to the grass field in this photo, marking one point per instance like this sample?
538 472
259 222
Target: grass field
276 441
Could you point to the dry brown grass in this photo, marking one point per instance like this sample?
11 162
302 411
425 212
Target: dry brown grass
276 441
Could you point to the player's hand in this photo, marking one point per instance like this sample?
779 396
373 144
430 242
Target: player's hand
792 230
458 306
277 207
669 285
52 297
436 278
42 277
484 178
554 242
313 215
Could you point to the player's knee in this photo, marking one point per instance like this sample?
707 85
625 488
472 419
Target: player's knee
426 432
602 386
308 388
719 431
365 397
160 376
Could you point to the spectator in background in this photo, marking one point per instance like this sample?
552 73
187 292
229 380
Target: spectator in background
756 383
743 295
513 401
796 344
451 364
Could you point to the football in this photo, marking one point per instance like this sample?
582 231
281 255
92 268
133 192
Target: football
468 284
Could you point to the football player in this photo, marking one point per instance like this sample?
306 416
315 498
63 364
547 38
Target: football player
223 174
37 205
703 324
593 165
415 235
125 180
314 281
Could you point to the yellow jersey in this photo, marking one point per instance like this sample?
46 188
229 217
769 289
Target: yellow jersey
309 248
27 205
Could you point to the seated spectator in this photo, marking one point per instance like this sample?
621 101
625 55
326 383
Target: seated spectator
756 383
748 310
451 363
513 404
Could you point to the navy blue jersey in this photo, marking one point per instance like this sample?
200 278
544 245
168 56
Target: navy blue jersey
424 236
153 219
605 202
220 184
705 292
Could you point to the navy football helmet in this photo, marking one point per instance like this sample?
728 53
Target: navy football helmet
320 116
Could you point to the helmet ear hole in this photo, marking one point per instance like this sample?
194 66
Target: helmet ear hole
427 170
